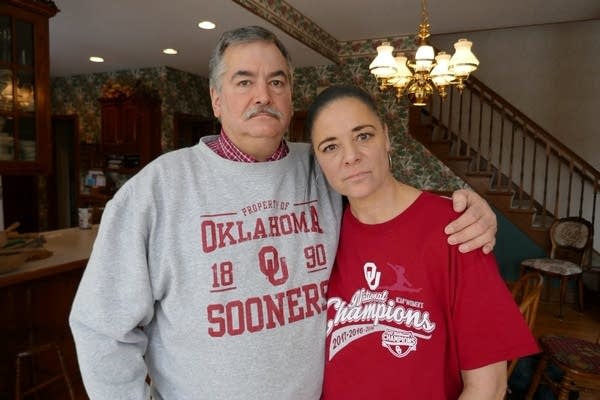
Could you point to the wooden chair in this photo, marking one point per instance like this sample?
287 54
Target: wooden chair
526 293
578 359
44 383
571 239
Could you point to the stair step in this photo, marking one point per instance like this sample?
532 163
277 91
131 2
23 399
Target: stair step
523 210
501 191
500 199
458 158
485 174
539 222
524 204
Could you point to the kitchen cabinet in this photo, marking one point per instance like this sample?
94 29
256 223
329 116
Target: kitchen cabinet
130 139
25 146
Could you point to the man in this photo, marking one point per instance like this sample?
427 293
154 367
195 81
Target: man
210 269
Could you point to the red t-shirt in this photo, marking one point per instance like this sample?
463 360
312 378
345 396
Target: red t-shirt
407 312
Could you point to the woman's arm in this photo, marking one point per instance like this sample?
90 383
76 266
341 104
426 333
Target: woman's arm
485 383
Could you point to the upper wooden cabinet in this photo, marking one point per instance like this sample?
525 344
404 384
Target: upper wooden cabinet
130 139
25 145
131 126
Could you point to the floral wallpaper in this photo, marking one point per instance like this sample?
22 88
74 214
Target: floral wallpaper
180 92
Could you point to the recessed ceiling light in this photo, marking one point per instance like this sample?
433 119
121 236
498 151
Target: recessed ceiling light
206 25
169 51
97 59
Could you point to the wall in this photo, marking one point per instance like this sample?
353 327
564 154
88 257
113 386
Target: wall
179 91
549 72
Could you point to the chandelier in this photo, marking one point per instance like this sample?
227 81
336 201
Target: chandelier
420 77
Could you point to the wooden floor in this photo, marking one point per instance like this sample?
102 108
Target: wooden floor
583 325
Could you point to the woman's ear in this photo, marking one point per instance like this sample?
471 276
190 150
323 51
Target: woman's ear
388 143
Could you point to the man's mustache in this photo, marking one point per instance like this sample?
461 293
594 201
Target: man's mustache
262 110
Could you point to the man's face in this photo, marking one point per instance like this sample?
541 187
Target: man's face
255 100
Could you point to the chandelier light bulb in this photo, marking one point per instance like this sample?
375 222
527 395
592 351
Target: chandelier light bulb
440 75
463 62
384 65
424 58
403 76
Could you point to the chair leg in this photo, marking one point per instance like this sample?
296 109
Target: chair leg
535 380
563 393
563 291
34 352
64 372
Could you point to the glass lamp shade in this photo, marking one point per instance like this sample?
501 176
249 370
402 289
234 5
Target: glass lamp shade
401 78
463 62
424 58
384 64
440 75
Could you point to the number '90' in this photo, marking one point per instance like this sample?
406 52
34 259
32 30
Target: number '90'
315 256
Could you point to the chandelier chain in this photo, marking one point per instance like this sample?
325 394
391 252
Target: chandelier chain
423 33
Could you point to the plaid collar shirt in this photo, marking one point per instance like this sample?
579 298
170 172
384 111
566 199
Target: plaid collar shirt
225 148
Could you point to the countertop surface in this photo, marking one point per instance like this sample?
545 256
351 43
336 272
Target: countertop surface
71 249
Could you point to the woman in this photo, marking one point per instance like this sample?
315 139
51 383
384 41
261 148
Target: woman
409 316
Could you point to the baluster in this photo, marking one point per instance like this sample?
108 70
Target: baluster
522 172
502 118
581 195
532 191
459 133
570 187
556 197
469 128
480 131
544 198
512 152
489 155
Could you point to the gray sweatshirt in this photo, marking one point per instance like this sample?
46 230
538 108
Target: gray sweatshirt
210 276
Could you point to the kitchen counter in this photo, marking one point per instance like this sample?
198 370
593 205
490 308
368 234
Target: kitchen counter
36 301
71 249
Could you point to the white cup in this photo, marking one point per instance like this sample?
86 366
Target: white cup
85 218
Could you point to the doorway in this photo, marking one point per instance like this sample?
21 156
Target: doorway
189 128
62 184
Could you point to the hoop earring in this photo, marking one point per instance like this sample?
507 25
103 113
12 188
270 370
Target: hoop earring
390 160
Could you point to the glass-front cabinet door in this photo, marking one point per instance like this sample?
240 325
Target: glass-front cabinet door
25 144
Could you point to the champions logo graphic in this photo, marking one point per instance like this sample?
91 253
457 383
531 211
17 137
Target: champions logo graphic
371 311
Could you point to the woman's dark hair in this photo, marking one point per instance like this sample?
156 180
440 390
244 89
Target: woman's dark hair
332 94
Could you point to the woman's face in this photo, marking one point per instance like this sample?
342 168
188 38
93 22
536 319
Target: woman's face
351 145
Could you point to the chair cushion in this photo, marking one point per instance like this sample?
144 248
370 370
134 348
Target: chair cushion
574 353
553 265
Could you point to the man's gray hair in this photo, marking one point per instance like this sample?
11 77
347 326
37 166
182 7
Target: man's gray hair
247 34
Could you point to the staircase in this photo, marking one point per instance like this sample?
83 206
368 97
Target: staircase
511 161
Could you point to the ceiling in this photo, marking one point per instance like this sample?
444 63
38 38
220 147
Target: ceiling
131 34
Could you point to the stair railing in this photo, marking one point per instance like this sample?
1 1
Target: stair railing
543 174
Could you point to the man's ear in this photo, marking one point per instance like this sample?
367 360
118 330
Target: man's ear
215 99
